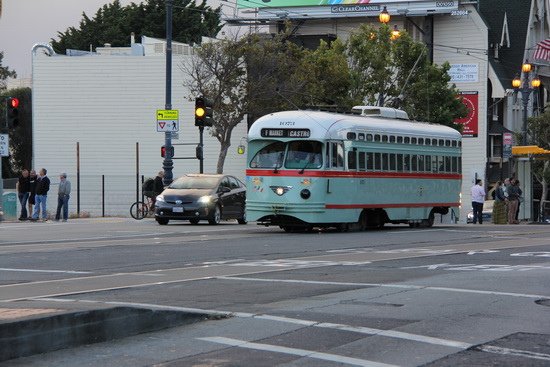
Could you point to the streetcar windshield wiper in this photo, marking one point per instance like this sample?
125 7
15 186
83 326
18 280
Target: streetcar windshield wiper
310 159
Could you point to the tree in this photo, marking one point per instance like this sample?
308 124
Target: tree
114 23
218 72
5 73
386 70
538 129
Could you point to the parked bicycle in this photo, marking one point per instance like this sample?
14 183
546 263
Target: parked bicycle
141 209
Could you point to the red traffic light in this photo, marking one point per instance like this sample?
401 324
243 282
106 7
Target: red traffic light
13 102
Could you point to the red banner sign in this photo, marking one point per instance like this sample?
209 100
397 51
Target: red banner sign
470 122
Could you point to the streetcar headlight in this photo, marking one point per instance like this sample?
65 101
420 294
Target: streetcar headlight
305 194
160 198
280 190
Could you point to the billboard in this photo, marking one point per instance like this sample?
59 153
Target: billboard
289 3
470 122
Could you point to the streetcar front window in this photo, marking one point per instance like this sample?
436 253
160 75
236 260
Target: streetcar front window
304 155
270 156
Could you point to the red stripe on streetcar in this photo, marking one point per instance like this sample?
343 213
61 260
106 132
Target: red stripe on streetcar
334 174
376 206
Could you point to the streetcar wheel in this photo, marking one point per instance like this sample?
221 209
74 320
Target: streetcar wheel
139 210
430 221
216 216
163 221
194 221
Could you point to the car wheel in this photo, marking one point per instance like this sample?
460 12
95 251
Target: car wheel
242 219
162 221
194 221
216 216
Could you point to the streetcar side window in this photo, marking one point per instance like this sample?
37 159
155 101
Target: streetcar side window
406 163
413 140
392 139
400 163
399 139
336 155
377 162
385 162
369 137
384 138
420 163
414 163
428 142
361 136
352 160
428 163
270 156
370 161
351 136
362 161
448 167
434 142
454 163
376 137
407 140
421 141
392 162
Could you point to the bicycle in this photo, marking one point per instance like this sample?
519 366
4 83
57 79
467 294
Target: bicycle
140 209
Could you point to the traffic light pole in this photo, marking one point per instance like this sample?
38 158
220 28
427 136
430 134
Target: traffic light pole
168 163
201 143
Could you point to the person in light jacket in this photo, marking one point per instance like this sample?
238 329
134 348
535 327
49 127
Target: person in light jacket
478 198
63 194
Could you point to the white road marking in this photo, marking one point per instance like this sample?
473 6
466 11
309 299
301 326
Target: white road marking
46 271
325 325
371 331
295 351
402 286
513 352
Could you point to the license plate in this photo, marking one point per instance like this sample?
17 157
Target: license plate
177 209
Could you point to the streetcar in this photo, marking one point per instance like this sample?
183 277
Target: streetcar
309 169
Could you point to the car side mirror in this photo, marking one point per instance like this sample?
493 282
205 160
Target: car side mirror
224 190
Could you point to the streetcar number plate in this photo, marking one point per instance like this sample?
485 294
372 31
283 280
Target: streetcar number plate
177 209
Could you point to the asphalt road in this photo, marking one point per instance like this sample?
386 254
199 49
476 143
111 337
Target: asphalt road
447 296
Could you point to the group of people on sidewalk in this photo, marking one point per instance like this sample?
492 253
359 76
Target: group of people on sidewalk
32 190
506 205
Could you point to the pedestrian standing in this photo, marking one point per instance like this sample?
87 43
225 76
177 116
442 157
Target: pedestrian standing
499 205
478 197
32 194
63 194
520 198
42 188
513 200
23 187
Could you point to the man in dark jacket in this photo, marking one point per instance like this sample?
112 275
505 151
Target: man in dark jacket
23 192
42 188
158 186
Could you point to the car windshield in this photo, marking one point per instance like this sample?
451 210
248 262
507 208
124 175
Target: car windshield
192 182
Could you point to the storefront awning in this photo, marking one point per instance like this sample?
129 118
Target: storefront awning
529 150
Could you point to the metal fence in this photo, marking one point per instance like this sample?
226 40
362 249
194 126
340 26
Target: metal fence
91 195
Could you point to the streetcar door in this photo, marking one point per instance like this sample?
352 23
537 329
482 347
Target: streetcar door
335 155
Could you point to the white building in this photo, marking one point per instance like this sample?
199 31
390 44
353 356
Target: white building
106 103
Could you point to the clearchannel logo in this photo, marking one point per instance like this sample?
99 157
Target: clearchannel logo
353 8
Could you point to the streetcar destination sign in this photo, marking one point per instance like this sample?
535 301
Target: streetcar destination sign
285 133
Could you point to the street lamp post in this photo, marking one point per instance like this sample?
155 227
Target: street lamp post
525 89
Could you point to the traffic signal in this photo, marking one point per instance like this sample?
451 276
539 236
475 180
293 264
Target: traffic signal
12 112
203 112
163 151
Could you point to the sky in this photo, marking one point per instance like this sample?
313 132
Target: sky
24 23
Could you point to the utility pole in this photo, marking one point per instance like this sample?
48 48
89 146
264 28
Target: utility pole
168 163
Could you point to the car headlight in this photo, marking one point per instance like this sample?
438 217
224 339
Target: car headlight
160 198
205 199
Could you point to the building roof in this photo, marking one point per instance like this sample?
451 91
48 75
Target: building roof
508 21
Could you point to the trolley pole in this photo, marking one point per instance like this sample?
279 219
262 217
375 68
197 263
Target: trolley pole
168 163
